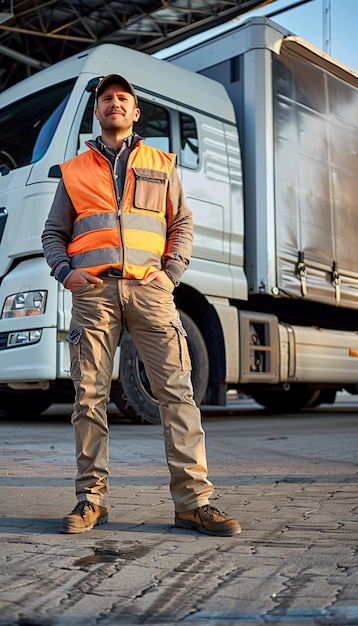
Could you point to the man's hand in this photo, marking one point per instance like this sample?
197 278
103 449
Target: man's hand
161 277
78 278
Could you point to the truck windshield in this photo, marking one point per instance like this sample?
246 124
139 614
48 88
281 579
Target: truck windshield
28 125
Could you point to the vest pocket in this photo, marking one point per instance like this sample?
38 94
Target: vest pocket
149 189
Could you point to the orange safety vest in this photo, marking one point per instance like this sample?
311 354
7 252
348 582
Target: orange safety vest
133 241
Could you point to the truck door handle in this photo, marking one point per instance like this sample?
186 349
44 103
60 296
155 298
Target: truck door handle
3 218
54 172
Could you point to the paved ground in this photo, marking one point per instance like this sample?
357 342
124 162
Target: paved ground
292 483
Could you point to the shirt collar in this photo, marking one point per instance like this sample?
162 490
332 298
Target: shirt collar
128 142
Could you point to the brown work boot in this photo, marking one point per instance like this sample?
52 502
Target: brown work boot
84 516
208 520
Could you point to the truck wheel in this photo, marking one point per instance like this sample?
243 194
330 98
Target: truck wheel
132 393
26 404
287 400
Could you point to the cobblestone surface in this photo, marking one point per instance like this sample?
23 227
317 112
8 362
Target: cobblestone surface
291 482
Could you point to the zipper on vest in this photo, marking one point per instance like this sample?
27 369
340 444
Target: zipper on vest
118 197
119 213
150 179
119 200
119 205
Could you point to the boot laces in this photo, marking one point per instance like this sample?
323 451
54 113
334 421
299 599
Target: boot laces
82 507
210 511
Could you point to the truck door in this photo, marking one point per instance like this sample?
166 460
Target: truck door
212 185
204 174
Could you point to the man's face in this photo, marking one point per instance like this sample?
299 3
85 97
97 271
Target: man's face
116 109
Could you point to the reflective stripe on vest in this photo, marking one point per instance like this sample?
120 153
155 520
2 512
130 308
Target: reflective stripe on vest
136 241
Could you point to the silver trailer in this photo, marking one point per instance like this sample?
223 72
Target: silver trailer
297 115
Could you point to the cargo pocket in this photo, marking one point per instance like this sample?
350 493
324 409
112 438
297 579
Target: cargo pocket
73 338
149 189
183 345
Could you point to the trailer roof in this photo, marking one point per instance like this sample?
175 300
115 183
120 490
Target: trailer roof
256 32
313 54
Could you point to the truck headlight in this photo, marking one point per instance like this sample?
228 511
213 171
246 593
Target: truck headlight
24 303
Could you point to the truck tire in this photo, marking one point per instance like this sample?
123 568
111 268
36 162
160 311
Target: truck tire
132 393
26 404
287 400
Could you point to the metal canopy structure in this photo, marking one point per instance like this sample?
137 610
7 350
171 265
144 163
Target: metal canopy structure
35 34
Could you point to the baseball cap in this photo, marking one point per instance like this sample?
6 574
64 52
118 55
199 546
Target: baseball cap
112 79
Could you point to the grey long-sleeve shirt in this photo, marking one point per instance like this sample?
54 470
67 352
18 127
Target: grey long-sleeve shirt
57 233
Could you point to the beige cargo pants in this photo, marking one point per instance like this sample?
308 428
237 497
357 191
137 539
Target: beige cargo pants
149 314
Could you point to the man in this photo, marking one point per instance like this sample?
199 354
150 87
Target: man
119 236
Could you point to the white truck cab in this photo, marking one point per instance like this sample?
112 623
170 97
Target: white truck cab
46 120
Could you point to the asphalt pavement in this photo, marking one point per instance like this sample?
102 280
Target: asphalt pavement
290 481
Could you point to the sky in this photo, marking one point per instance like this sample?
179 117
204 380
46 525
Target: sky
337 34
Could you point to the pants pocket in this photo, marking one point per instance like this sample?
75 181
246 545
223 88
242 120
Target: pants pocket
74 340
76 371
183 344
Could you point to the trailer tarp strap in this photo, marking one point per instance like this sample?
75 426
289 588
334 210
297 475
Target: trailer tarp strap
301 272
336 282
